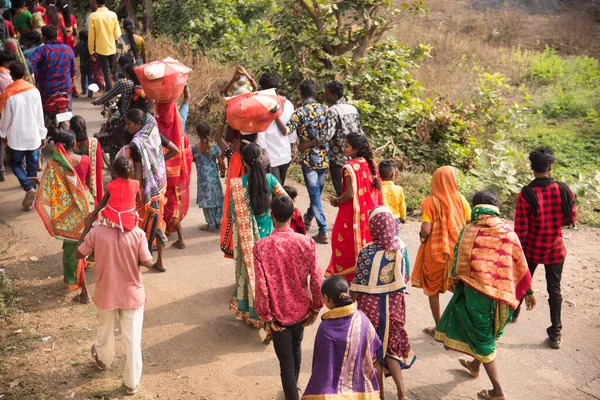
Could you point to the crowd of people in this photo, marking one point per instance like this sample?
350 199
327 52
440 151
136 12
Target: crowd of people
465 246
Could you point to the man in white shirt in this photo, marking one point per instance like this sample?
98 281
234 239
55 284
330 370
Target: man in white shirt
22 127
275 144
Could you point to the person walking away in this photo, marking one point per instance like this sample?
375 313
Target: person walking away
31 40
132 44
53 16
444 214
5 80
297 223
146 152
125 87
119 290
62 203
103 31
53 65
543 208
382 299
89 147
308 123
483 303
70 22
82 51
251 197
207 157
19 16
22 129
37 16
274 141
361 194
342 120
283 262
393 195
117 207
346 341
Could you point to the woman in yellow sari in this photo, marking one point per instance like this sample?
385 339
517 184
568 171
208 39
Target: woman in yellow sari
444 214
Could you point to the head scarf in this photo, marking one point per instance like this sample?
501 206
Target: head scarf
384 227
445 190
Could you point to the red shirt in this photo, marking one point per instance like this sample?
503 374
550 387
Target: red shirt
541 234
122 202
297 223
84 169
282 264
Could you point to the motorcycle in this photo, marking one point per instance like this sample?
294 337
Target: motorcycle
109 139
56 109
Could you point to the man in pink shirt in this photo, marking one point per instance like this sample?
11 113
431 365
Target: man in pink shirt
283 262
119 289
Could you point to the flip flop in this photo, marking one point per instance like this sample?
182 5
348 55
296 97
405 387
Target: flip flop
99 363
178 245
485 394
465 364
159 269
430 331
82 300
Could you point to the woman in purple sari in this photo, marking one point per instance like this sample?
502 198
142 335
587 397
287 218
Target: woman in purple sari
344 347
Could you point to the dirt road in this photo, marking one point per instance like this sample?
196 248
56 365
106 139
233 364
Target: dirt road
194 348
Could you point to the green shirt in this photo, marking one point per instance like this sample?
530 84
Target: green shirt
23 21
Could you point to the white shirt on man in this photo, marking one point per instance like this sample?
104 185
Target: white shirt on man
278 146
22 121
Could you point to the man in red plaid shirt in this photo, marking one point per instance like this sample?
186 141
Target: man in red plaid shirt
543 208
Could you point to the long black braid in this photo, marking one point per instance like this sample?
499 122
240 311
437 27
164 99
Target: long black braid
363 147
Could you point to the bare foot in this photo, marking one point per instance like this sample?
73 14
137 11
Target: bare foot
179 244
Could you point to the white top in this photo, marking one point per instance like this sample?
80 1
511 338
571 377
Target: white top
278 146
22 121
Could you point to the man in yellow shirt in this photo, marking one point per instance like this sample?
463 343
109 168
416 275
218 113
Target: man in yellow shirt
393 195
103 33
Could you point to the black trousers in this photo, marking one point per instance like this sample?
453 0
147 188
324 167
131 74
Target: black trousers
288 347
280 172
553 278
336 178
107 62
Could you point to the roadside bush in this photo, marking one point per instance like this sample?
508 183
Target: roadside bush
8 295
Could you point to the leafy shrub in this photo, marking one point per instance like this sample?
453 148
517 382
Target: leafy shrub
8 295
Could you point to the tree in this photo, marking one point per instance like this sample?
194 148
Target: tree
148 10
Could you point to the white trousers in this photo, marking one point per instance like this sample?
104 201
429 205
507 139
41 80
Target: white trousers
132 320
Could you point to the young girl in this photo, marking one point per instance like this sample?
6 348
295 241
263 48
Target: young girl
382 299
207 156
361 193
80 163
120 198
344 348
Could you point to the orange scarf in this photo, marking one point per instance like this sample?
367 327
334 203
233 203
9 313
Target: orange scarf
18 86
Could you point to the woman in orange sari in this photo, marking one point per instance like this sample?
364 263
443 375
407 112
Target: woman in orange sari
444 214
361 193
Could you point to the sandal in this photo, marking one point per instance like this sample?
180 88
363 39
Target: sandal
485 394
131 392
158 268
99 363
430 331
82 300
178 245
465 364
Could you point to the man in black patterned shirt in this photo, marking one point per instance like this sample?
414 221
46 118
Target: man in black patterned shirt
342 120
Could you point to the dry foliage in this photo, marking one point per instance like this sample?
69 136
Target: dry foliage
205 81
467 40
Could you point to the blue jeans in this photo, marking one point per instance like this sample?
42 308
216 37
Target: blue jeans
86 79
16 163
314 179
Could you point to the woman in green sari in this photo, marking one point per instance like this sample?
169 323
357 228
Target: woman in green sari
250 212
490 279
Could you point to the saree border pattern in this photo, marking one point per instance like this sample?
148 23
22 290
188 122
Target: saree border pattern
452 344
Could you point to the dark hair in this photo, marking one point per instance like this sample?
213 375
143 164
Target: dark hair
83 35
269 80
136 116
129 26
17 70
282 208
78 120
258 187
122 167
308 89
486 196
129 70
291 191
49 32
66 138
541 159
125 59
16 4
6 56
65 10
203 129
100 2
386 169
336 88
32 35
337 289
52 13
360 143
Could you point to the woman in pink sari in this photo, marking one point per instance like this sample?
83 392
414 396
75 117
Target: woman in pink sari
361 193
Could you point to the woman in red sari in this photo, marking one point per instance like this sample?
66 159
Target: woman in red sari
89 147
361 193
179 169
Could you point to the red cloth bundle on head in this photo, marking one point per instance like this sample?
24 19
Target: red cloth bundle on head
254 112
163 80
